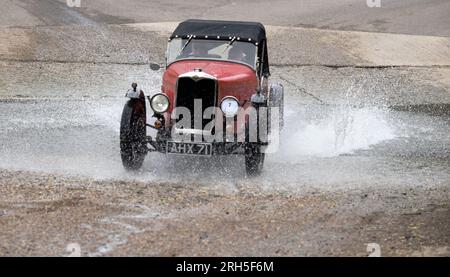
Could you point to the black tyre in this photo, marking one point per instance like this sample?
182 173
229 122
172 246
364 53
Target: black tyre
133 137
254 160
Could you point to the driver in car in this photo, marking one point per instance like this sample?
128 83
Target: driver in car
199 49
195 49
236 54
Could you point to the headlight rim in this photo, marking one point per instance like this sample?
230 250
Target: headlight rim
233 98
168 102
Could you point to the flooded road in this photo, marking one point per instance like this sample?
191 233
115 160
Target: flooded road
358 162
329 146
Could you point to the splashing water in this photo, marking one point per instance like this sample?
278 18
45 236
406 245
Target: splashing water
81 138
335 131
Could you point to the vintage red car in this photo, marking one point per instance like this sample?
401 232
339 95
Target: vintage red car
215 97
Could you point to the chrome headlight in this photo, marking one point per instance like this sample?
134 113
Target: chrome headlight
229 106
159 103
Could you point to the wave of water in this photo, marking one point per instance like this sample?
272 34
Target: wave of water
334 131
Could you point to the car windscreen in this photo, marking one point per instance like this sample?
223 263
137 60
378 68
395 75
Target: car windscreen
237 51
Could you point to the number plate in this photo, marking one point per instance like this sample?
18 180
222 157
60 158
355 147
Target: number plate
202 149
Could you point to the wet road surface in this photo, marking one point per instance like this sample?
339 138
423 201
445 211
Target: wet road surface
364 157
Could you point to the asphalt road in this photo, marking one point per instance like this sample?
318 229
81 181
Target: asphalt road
364 157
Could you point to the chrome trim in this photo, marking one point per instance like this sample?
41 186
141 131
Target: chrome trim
197 75
230 97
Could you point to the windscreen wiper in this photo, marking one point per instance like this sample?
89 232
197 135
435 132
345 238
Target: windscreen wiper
229 44
187 42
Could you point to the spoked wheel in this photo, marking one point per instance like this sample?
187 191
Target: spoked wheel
133 136
254 160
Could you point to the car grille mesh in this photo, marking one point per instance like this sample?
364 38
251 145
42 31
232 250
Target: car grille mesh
189 90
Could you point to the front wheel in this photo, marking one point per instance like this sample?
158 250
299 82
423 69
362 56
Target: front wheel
133 146
254 160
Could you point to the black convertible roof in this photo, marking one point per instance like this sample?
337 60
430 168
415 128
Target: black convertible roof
225 30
